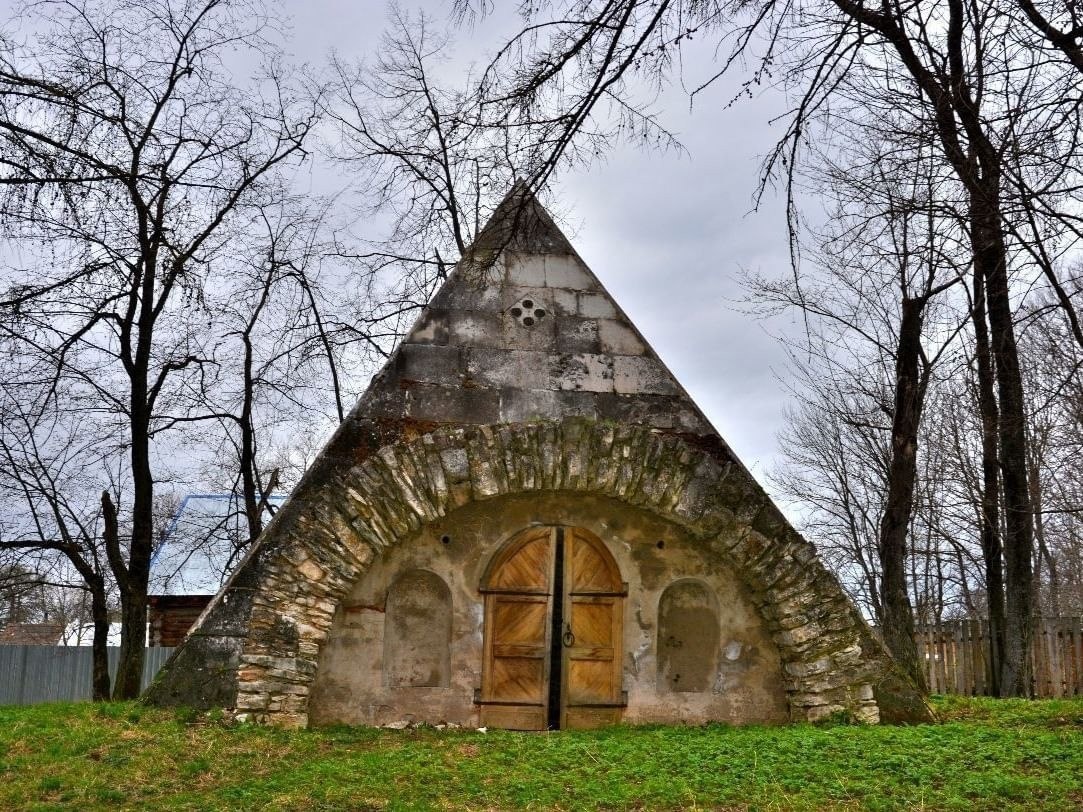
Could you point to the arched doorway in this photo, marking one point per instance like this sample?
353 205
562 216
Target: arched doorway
554 623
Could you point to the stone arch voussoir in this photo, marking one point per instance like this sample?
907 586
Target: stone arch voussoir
339 531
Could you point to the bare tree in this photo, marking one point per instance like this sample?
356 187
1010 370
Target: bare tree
20 586
889 253
433 159
428 171
282 344
52 515
126 152
1060 23
1004 119
1053 364
834 448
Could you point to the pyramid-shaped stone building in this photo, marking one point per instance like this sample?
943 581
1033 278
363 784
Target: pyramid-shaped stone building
527 523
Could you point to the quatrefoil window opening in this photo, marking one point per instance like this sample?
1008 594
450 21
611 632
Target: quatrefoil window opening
528 312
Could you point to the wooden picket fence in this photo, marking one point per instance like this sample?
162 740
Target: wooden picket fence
956 654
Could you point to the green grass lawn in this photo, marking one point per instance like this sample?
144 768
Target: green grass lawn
988 754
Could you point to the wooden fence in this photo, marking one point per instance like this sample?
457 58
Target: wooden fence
956 655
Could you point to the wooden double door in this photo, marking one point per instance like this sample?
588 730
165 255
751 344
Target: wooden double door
553 649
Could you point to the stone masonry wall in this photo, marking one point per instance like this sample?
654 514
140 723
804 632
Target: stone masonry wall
830 660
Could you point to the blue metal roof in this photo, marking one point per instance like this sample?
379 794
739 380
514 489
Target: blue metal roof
205 539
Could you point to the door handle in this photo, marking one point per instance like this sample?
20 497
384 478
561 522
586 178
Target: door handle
569 638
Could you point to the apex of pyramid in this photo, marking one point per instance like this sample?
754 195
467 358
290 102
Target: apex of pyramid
521 223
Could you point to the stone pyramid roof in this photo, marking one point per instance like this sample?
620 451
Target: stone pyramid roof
476 356
523 330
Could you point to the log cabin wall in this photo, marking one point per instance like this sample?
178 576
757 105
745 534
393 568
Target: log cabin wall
171 616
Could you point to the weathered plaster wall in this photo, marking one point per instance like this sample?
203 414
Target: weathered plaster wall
746 684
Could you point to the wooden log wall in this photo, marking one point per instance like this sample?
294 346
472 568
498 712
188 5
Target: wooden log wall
956 656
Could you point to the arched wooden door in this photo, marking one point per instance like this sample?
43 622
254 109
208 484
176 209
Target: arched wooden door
554 611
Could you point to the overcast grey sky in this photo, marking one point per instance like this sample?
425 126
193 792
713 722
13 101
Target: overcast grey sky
668 234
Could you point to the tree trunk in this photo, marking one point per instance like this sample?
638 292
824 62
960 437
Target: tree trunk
99 612
1045 555
133 582
990 488
990 260
898 619
133 644
249 484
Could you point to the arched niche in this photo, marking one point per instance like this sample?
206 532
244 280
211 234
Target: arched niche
417 631
688 637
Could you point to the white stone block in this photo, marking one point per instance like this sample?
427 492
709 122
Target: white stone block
513 369
527 272
565 271
641 375
596 306
619 339
581 371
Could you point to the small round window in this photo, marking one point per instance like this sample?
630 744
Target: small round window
528 312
